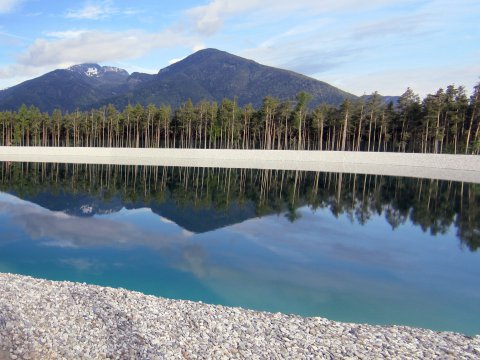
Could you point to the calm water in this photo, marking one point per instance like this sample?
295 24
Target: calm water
354 248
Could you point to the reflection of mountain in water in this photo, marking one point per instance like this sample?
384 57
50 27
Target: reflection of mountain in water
204 199
79 204
197 220
201 220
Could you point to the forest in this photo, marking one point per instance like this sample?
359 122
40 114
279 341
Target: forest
434 205
444 122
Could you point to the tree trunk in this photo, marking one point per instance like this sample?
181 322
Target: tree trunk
344 135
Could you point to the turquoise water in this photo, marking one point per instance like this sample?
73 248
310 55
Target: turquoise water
351 248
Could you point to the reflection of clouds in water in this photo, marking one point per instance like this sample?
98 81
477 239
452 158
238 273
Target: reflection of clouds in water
356 254
11 199
187 233
297 255
81 264
258 259
165 220
311 240
319 236
65 231
59 229
298 241
317 255
194 261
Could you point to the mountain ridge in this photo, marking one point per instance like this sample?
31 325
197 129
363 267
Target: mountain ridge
208 74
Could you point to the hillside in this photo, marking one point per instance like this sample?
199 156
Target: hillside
205 75
213 75
79 86
188 217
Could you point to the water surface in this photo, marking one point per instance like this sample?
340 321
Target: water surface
356 248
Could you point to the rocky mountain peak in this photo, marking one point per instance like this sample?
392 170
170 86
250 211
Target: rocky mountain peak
95 71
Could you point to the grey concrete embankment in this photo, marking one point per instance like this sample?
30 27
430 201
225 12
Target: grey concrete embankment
42 319
434 166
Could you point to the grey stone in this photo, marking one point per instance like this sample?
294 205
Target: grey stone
48 320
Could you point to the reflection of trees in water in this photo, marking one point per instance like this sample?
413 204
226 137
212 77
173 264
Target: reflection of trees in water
434 205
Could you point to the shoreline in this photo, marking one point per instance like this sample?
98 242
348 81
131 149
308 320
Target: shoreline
58 319
464 168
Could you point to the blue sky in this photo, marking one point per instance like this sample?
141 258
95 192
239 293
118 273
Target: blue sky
359 46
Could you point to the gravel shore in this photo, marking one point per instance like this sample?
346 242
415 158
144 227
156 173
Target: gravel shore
464 168
42 319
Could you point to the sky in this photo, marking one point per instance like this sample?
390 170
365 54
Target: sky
358 46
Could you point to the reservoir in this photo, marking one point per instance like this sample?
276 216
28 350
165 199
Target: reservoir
348 247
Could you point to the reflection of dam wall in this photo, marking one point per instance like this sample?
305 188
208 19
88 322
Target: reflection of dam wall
434 166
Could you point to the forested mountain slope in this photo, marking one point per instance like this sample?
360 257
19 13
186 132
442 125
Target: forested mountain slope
208 74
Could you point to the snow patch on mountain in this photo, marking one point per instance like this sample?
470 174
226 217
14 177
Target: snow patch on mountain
91 72
86 209
95 70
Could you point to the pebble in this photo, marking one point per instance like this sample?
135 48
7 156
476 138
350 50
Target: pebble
41 319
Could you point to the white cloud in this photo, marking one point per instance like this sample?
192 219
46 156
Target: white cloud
92 11
376 49
68 34
313 40
175 60
198 47
423 80
8 5
80 46
208 19
342 39
298 48
391 26
195 48
97 11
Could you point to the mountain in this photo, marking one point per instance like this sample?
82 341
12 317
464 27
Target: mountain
385 98
211 74
79 86
188 216
208 74
103 77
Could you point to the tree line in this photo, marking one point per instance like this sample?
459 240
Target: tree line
444 122
434 205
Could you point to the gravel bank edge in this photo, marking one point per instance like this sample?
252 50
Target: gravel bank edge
430 166
42 319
